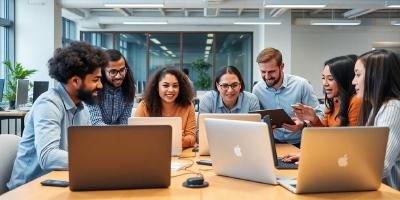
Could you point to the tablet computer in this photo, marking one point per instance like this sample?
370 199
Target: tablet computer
278 116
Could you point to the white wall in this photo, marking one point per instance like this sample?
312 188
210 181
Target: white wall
313 45
37 34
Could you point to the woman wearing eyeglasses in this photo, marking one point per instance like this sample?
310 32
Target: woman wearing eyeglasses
115 100
228 95
169 94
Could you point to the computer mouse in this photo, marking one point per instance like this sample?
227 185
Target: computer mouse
195 182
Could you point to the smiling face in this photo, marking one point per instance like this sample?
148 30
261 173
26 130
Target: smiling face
168 88
229 88
359 78
271 73
329 83
115 72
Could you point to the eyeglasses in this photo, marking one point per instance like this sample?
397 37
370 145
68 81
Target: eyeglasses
114 72
225 86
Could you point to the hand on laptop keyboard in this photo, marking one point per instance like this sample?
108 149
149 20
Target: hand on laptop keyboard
291 157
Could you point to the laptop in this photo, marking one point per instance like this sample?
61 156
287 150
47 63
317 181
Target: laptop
241 149
279 164
119 157
174 122
343 159
203 142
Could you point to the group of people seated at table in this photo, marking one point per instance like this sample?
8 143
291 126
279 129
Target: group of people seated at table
359 91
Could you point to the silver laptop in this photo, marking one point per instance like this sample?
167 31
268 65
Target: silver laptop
119 157
340 159
174 122
241 150
203 142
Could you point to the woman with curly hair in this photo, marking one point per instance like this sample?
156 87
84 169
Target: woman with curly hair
168 94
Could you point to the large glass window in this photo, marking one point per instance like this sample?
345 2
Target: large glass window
235 49
197 58
104 40
133 47
69 31
164 51
201 53
6 34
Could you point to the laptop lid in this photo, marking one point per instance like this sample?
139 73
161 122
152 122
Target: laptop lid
241 149
174 122
341 159
203 142
119 157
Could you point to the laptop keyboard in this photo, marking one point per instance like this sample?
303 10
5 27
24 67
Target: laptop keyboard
286 165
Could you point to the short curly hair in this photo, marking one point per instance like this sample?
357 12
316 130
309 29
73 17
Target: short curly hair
78 59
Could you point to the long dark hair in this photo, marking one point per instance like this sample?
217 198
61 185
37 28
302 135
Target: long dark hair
228 70
342 70
128 84
152 98
382 69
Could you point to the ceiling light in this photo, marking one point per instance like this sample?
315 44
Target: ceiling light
169 52
258 23
209 41
155 40
208 48
129 5
210 35
140 23
123 35
206 52
241 36
335 22
294 6
173 55
164 48
165 54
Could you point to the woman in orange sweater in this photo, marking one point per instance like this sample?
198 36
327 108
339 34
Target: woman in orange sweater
169 94
342 106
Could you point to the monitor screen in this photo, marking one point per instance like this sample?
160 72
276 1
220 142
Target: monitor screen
39 87
21 97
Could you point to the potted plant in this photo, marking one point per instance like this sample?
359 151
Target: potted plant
203 79
15 72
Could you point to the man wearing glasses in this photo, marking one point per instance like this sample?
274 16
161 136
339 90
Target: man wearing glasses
279 90
115 100
228 95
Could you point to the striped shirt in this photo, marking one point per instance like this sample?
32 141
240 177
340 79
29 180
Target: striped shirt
211 102
388 117
112 108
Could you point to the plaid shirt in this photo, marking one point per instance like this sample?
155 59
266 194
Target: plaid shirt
111 109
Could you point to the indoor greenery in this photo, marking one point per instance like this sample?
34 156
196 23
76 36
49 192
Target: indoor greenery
15 72
203 79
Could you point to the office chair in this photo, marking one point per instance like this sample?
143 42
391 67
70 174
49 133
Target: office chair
8 149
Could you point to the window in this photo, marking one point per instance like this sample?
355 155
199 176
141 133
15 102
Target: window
6 34
68 32
147 51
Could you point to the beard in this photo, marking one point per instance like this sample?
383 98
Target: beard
276 81
87 96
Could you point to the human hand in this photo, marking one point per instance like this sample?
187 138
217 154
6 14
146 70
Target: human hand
294 128
304 112
291 157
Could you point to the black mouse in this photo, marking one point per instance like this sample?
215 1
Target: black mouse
195 182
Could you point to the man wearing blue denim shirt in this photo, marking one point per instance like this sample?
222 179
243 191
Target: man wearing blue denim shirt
279 90
43 146
115 100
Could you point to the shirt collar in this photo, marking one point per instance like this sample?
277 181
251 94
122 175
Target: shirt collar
67 100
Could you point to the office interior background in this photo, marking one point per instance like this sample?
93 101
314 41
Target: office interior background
195 33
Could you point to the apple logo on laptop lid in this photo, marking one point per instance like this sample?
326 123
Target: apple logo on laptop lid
343 161
238 151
